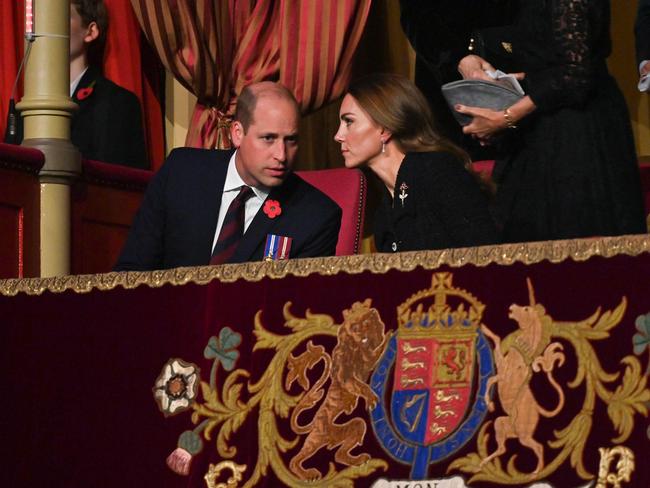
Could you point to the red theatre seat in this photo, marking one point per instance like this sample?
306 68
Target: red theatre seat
347 187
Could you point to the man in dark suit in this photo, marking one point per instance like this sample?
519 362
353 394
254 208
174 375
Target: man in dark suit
108 124
187 206
642 37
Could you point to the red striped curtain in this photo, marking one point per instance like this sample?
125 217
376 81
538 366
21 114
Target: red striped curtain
216 47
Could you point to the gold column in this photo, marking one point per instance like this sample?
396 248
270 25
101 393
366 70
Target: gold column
47 110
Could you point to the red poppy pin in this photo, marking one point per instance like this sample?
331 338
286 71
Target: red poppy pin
272 208
84 93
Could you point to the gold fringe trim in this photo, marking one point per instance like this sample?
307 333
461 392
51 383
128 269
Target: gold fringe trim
505 254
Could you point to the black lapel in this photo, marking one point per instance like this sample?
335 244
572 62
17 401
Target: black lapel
211 184
88 81
262 225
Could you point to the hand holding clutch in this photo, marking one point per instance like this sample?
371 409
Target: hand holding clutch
495 95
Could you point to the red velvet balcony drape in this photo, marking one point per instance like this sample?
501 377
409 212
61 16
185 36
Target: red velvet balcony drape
215 48
102 381
128 61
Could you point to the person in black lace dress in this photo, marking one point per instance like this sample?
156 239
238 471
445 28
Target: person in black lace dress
439 32
432 199
642 37
572 169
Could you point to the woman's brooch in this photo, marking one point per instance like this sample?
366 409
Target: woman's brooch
402 196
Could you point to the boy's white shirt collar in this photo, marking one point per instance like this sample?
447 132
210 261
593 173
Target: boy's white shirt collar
74 83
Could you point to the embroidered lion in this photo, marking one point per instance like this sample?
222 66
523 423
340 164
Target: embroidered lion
518 356
361 341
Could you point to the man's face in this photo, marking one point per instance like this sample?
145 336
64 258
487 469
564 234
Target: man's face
266 151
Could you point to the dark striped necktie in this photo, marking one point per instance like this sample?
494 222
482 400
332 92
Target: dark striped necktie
232 228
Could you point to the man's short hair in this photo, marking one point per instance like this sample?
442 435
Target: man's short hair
94 11
247 100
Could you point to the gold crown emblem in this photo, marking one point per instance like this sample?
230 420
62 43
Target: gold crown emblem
452 310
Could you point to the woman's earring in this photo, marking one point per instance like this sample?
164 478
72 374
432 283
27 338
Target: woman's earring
383 147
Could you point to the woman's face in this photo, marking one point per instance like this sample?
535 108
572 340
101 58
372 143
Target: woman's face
360 137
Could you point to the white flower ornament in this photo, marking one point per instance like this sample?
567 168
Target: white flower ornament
176 386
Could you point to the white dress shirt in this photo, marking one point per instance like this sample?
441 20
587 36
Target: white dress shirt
231 189
75 82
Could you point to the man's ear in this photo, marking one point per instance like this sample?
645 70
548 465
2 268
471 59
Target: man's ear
92 32
236 132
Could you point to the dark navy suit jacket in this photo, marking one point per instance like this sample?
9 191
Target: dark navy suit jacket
176 223
108 125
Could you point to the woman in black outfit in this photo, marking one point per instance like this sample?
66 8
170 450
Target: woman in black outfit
433 201
571 169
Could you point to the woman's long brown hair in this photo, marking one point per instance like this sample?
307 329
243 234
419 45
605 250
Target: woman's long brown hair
396 104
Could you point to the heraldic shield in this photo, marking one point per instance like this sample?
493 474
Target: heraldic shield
437 400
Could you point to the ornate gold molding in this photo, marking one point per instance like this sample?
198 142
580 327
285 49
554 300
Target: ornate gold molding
505 254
